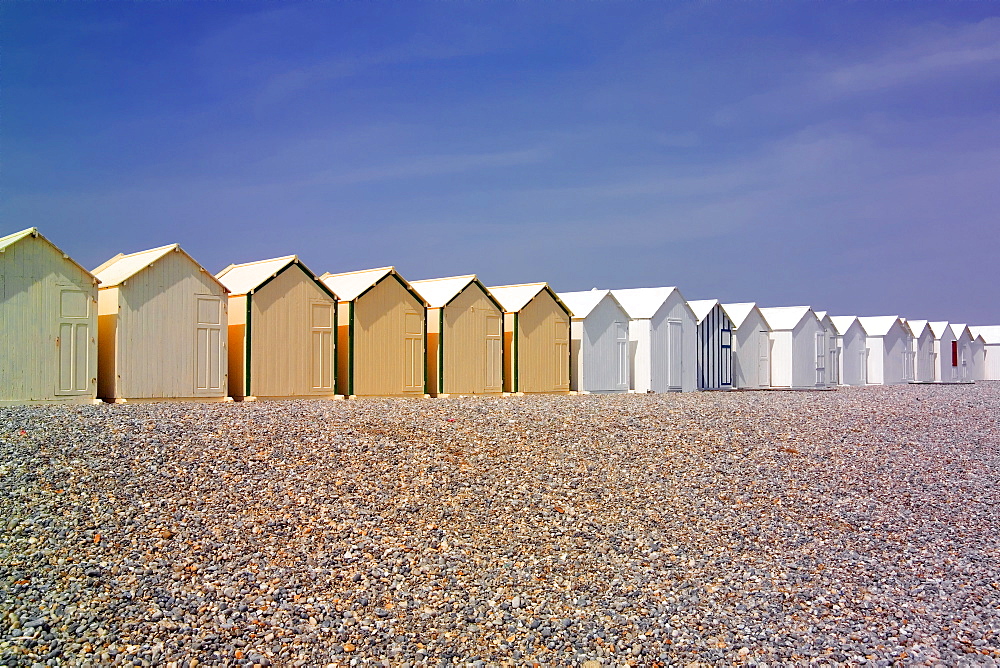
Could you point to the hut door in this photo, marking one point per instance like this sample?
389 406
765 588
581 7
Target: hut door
413 380
73 343
675 348
621 354
820 358
322 346
494 354
561 337
763 359
726 346
209 377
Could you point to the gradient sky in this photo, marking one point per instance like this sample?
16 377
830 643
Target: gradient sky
843 155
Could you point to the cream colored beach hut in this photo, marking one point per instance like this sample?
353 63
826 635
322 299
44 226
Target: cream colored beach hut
946 354
282 331
799 348
598 342
536 335
162 321
853 350
890 350
663 341
48 323
464 336
381 334
991 350
751 346
924 357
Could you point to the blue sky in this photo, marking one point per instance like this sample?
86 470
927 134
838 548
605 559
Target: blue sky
843 155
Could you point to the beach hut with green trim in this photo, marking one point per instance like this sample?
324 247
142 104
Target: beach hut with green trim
282 331
48 324
381 334
464 336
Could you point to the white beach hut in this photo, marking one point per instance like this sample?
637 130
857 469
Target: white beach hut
751 346
923 350
853 356
890 350
162 328
715 345
991 349
799 347
978 355
48 323
663 346
832 348
966 359
946 368
598 342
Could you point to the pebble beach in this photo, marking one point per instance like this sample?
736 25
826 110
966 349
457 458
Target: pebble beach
859 526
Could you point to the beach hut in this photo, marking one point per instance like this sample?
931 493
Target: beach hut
381 334
799 348
598 342
890 350
162 321
924 357
978 370
48 323
282 331
963 337
715 345
853 350
536 328
991 350
464 336
833 349
751 346
663 342
946 357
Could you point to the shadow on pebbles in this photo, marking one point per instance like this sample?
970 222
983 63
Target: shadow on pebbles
856 527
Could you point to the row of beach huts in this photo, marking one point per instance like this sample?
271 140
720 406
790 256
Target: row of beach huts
156 325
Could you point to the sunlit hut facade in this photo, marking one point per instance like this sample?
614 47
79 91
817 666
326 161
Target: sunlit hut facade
853 357
282 331
924 357
965 359
946 357
799 348
536 339
381 334
464 336
663 343
751 346
991 348
890 350
832 349
715 345
162 321
598 342
48 323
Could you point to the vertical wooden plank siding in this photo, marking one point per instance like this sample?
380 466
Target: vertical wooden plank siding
602 356
48 326
389 348
543 346
715 358
158 333
470 338
292 337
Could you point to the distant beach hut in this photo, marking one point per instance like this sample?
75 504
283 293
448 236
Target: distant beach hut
853 356
924 357
663 341
599 342
799 348
991 344
890 350
162 321
715 345
963 337
464 336
536 339
381 334
833 349
751 346
48 323
282 330
946 354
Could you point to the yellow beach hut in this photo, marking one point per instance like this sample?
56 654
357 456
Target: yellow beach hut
161 328
464 336
282 331
48 323
381 334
